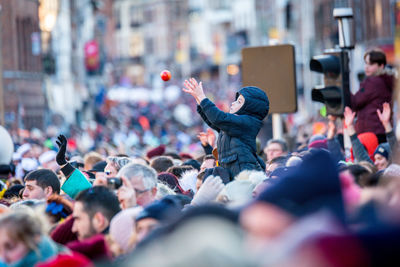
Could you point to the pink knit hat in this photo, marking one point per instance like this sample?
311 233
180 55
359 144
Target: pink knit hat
122 227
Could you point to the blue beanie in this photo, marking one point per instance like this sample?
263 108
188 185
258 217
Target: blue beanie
383 149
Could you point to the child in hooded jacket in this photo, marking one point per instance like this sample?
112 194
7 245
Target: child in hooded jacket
238 129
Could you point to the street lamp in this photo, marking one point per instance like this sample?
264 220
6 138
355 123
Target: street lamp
48 10
344 16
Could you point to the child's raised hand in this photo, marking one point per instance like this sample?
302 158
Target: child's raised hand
195 89
203 138
211 137
349 116
384 116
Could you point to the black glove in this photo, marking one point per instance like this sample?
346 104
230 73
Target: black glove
62 144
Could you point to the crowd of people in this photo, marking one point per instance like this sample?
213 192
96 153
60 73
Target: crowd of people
234 204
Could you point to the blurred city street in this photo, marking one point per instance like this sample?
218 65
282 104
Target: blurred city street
199 133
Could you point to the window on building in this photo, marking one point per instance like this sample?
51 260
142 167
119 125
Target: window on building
136 16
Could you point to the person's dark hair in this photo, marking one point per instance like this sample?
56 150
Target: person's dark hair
13 191
374 179
161 163
281 142
44 178
360 173
99 199
209 156
281 161
179 170
376 56
200 175
173 155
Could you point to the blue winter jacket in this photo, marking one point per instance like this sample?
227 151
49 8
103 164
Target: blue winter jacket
236 142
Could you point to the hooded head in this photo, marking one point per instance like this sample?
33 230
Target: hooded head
256 102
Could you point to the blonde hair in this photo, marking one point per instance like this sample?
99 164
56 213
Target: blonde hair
90 159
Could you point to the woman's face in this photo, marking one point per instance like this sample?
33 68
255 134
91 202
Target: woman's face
371 68
235 106
11 250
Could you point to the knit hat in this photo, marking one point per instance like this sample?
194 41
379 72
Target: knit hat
185 156
29 164
47 156
23 149
192 162
312 186
319 144
158 151
122 226
316 137
384 150
163 209
171 181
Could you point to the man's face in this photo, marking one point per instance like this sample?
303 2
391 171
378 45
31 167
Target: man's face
83 226
144 196
273 150
144 227
34 191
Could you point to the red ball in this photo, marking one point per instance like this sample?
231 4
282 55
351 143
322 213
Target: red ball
165 75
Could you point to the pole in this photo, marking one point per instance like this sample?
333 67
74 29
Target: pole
1 75
277 130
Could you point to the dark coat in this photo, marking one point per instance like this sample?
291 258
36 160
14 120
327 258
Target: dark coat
374 91
236 142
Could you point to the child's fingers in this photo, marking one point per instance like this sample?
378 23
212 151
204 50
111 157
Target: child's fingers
194 82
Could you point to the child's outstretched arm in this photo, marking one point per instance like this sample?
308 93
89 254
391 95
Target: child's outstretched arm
213 116
196 90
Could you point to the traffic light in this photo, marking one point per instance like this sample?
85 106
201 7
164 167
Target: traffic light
335 93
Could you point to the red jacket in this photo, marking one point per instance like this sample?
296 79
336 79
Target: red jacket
373 92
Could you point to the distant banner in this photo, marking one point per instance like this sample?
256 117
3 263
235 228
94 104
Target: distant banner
397 33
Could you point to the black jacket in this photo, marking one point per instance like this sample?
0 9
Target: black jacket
236 142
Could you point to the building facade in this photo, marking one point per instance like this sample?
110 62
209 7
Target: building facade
23 97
